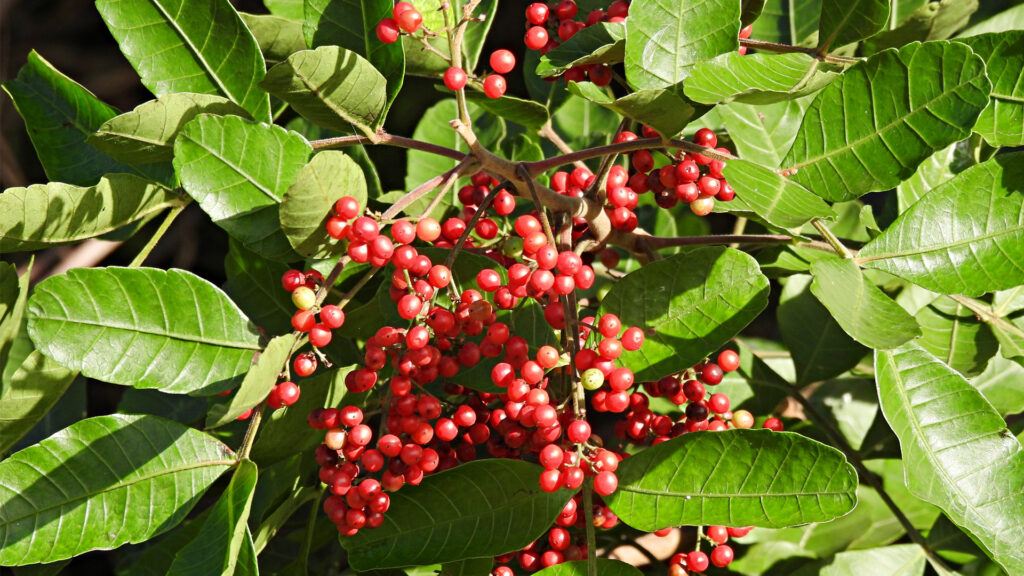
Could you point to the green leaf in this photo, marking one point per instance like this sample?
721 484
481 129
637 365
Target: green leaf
177 407
34 388
307 205
936 170
847 21
216 547
910 118
523 112
333 87
257 384
664 110
278 37
1009 19
481 508
763 134
952 333
291 9
475 36
860 307
821 349
759 78
789 22
254 283
1002 383
147 133
334 23
199 46
778 200
468 567
239 189
284 433
605 567
13 294
101 483
602 43
44 215
751 10
964 237
143 327
953 441
664 40
1002 123
706 297
735 478
59 115
930 21
899 560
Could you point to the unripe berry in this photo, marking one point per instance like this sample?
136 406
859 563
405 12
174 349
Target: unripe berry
303 298
592 379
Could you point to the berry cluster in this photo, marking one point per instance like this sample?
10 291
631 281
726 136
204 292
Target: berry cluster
692 179
542 30
405 18
696 561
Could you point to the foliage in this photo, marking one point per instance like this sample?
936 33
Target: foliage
899 316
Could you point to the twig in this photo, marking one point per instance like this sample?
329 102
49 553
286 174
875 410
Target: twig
548 132
388 139
425 188
588 520
790 49
831 238
449 261
140 258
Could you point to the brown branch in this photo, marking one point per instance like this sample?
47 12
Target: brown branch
389 139
425 188
790 49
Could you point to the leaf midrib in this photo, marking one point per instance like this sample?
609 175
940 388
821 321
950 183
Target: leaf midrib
144 478
937 248
186 41
171 335
230 164
651 492
884 129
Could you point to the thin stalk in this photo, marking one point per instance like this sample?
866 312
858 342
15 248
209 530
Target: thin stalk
548 132
151 243
449 261
307 542
790 49
571 157
455 49
588 519
250 432
425 188
384 138
831 238
358 286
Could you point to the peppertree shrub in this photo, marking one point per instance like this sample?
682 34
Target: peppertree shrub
537 351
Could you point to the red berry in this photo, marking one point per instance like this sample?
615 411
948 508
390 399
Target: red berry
287 392
773 424
494 86
600 74
410 20
566 10
728 360
409 306
722 555
605 483
718 534
502 61
303 320
292 279
332 316
305 364
428 229
706 137
711 374
387 31
537 13
697 561
319 336
455 78
536 38
579 431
